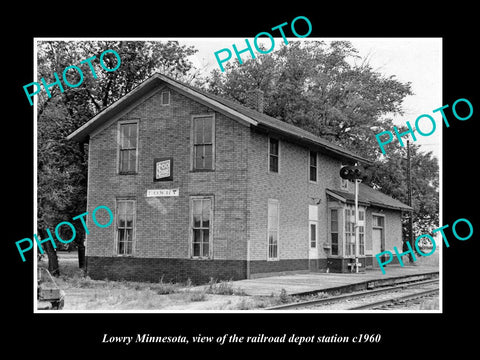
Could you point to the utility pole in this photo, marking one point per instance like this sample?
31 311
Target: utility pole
409 186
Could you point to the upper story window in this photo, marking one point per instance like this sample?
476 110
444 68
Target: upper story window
203 142
273 155
313 166
127 147
165 97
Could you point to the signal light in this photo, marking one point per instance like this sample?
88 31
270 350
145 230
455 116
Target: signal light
350 172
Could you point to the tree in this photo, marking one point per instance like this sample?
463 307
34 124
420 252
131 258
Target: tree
330 91
62 164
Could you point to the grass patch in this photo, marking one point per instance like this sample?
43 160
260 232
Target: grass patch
196 296
223 288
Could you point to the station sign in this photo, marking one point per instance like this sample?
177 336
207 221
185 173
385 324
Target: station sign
162 192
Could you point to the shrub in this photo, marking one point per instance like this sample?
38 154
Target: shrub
284 297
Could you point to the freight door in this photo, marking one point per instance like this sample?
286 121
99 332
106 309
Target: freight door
378 235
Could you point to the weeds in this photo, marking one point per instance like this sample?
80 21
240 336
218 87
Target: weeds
223 288
284 297
165 288
197 296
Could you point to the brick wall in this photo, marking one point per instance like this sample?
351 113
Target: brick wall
162 223
292 188
164 269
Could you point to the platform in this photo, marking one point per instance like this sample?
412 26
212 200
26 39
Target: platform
312 282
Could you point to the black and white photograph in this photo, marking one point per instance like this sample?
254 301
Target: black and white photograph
261 187
272 184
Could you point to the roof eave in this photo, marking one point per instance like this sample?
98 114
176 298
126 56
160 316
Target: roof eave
136 94
328 150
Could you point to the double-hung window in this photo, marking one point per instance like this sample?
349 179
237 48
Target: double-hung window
349 231
334 231
273 213
273 155
201 227
125 226
127 143
313 166
203 142
350 242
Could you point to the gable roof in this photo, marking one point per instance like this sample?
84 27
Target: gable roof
369 197
231 109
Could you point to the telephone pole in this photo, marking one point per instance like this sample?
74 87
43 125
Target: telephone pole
409 186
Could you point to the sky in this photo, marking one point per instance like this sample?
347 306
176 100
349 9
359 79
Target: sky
414 60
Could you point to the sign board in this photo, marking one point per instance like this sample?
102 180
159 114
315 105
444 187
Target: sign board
163 169
162 192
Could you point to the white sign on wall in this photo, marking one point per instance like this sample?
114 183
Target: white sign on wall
163 169
162 192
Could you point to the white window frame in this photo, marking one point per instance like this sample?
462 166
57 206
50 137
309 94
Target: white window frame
134 225
344 246
191 228
277 230
119 125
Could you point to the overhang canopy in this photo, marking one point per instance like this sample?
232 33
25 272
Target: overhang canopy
369 197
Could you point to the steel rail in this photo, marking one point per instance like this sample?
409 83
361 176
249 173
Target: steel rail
403 298
307 303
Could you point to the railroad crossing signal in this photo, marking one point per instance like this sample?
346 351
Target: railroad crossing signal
351 172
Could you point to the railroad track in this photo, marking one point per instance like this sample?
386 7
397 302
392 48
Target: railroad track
312 304
396 300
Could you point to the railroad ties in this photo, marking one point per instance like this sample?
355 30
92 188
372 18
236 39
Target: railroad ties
377 296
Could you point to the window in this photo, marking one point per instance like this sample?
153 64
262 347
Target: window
349 232
378 221
201 226
273 213
125 226
361 239
361 215
203 142
334 230
165 97
273 151
128 147
313 225
313 166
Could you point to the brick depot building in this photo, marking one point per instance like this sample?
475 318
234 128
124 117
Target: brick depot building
202 187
